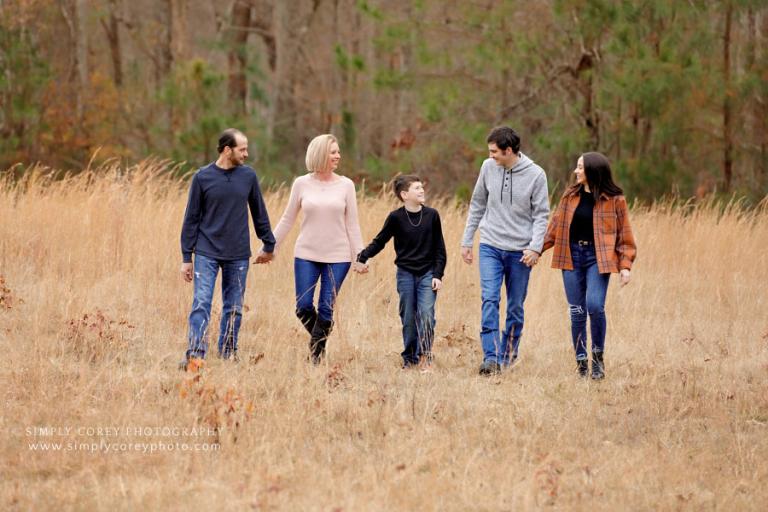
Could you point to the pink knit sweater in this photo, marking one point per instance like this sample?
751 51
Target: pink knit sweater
329 232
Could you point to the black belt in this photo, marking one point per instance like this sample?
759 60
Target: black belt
584 242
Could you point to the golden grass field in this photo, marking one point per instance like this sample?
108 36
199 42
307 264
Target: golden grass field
93 318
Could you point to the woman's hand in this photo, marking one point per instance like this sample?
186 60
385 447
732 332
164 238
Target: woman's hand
625 276
360 268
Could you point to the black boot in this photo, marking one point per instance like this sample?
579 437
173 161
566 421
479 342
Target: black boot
320 333
582 366
308 317
598 367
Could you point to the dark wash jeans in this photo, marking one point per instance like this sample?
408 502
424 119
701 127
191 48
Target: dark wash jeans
233 276
498 267
331 276
417 313
585 290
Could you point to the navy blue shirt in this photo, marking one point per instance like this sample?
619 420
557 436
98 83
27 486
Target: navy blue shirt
419 244
216 219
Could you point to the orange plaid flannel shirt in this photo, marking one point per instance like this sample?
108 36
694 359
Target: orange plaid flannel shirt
614 243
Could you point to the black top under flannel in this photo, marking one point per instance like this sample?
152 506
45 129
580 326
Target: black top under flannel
582 225
419 244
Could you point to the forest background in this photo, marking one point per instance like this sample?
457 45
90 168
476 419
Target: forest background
673 92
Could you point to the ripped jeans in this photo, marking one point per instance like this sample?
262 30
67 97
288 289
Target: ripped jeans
233 275
585 290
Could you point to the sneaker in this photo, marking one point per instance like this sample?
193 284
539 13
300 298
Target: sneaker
490 368
582 366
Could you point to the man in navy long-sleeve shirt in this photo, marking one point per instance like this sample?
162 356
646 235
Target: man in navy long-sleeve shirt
216 229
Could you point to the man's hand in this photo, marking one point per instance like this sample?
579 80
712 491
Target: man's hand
360 268
466 255
436 284
530 258
186 271
264 257
625 277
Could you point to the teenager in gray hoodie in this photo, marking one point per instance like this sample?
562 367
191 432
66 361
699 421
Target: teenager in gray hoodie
510 206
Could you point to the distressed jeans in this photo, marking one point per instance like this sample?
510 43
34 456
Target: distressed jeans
233 276
499 267
585 290
417 313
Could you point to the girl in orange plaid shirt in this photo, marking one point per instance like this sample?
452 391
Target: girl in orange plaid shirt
591 236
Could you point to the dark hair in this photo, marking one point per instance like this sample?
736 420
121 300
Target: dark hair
504 137
597 171
403 184
228 137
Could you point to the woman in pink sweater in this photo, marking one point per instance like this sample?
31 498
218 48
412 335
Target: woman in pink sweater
329 237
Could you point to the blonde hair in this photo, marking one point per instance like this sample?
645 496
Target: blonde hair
318 151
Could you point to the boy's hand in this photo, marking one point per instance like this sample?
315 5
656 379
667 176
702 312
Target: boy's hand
360 268
436 284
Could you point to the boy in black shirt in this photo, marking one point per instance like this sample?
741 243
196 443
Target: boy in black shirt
420 259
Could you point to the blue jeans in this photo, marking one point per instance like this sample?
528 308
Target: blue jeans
331 275
233 275
585 290
417 312
497 266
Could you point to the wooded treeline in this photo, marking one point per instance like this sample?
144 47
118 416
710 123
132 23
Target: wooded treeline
673 92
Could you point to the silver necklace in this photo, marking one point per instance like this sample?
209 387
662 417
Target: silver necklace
421 213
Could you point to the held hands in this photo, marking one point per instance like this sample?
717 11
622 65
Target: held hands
530 258
186 271
466 255
360 268
263 257
625 276
436 284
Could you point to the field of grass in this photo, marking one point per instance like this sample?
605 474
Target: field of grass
93 320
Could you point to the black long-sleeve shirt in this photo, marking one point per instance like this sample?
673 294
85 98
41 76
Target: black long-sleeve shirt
419 244
216 218
582 223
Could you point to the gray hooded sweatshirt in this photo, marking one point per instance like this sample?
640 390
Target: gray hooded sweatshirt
510 206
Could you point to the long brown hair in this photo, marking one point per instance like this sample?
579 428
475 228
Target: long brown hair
597 171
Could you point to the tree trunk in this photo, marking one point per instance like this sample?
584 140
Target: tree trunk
112 31
618 131
727 103
240 26
176 26
761 110
81 55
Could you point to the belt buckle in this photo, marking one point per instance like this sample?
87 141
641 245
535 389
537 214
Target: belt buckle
583 243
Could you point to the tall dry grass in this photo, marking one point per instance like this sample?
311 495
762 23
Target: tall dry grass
93 320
